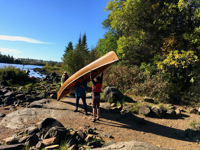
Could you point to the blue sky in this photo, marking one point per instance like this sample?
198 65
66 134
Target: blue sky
40 29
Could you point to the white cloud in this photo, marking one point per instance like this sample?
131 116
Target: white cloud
19 38
10 51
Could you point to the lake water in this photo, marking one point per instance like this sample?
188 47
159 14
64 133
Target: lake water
25 67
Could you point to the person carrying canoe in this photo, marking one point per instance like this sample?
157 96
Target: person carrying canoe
64 77
96 89
80 93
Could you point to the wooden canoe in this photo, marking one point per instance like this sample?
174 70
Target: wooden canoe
97 67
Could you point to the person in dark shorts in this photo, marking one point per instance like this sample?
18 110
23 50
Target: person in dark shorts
80 93
96 89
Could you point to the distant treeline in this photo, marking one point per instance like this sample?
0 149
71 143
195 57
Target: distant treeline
26 61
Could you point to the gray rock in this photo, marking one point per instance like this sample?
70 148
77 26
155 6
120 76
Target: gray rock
60 132
113 104
4 91
48 123
39 145
148 99
106 135
178 112
38 104
110 143
11 140
32 130
42 96
181 133
24 139
32 140
158 111
29 90
54 96
20 96
171 113
30 99
75 147
9 101
80 137
71 142
20 89
193 111
2 115
10 94
132 145
13 108
18 119
105 105
196 138
12 147
125 109
197 126
144 110
113 93
90 131
189 132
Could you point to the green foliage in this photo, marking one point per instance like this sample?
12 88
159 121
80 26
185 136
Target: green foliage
108 43
155 34
76 58
193 123
14 74
110 101
134 80
118 104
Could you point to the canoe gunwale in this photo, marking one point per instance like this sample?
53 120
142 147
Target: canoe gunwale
84 74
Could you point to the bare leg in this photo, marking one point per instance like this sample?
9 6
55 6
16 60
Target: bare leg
98 112
94 113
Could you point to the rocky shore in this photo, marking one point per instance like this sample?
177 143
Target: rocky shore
36 116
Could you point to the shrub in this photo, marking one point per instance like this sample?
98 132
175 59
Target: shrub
139 81
13 74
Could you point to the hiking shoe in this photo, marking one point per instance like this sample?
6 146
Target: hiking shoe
75 110
93 120
85 113
97 119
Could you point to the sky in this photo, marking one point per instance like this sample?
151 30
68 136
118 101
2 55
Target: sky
40 29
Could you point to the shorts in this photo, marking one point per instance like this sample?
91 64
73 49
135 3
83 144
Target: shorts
95 101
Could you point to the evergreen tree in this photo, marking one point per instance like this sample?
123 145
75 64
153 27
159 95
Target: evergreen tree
76 58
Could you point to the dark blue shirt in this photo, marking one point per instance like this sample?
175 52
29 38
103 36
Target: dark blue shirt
81 90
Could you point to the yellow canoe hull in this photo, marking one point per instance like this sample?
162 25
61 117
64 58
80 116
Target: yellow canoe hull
97 67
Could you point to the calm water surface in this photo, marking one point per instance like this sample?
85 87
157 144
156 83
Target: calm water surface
25 67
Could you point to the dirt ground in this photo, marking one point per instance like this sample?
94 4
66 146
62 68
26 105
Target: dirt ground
160 132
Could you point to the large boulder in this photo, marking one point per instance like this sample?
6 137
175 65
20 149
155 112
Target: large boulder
48 123
133 145
112 93
144 110
60 132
